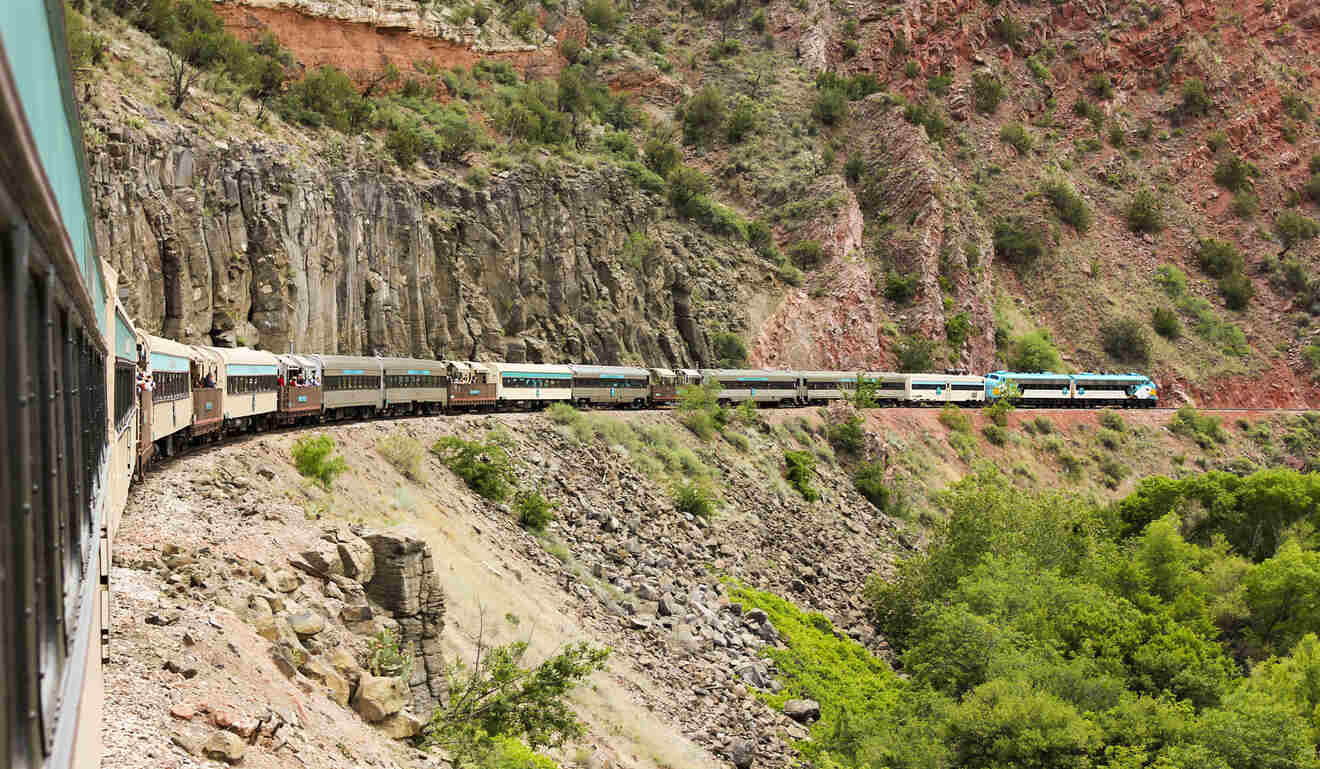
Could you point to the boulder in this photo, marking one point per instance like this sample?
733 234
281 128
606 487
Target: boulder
307 623
352 614
323 558
379 697
285 659
667 606
757 616
323 672
225 746
401 726
755 674
358 560
742 753
802 711
282 581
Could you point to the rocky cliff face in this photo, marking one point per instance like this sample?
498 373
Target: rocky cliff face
261 243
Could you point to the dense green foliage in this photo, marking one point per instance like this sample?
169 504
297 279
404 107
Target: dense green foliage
1125 340
799 472
1034 352
534 511
484 467
1067 203
1038 630
869 480
694 497
312 457
846 436
1020 243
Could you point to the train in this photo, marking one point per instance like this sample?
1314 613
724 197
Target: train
198 393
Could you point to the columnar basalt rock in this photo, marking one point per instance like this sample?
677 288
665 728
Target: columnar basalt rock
247 245
406 585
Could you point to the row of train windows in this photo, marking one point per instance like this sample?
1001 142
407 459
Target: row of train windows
962 386
248 383
353 382
730 384
849 385
415 380
609 383
170 385
125 387
526 381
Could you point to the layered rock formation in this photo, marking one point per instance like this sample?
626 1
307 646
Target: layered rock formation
262 244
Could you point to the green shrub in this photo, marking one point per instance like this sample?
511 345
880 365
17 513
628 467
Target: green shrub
1166 323
1245 205
1237 290
957 329
939 84
729 349
1311 355
1112 420
900 288
601 14
694 498
311 455
846 436
1019 242
955 419
326 96
406 143
853 168
661 156
999 410
1312 188
915 354
987 92
1125 340
1069 205
801 468
1235 174
1218 258
1101 87
1034 351
1145 212
1112 471
699 409
869 480
995 434
807 254
1009 30
1205 429
830 106
385 657
534 511
1195 101
403 452
484 467
703 115
1293 228
1043 425
686 184
86 48
742 122
1085 109
1216 141
1016 136
1172 279
927 116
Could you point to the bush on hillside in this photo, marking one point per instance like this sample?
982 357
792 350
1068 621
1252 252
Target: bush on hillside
915 354
1016 136
1125 340
534 511
1237 290
1235 174
1293 228
484 467
987 92
1166 323
1067 203
995 434
403 452
800 470
601 14
693 497
1034 351
704 114
900 288
1145 212
1205 429
830 106
1019 242
846 436
661 156
1195 101
729 349
1312 188
406 143
869 480
807 254
742 122
955 418
1218 258
312 457
957 329
853 168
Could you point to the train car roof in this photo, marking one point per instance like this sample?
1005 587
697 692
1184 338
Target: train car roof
747 373
690 372
530 368
295 360
411 365
1093 375
874 374
839 375
156 344
663 372
621 370
465 365
340 361
245 355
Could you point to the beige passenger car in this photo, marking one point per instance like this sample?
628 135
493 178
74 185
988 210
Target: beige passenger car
414 386
610 385
248 378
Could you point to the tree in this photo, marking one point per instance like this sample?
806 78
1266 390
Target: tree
1034 351
1283 594
729 349
1125 340
1007 723
573 96
182 78
1293 228
660 155
1145 212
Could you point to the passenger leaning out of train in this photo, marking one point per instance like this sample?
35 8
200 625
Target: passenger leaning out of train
280 380
208 381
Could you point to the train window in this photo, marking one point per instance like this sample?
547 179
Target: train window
125 386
